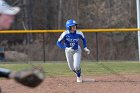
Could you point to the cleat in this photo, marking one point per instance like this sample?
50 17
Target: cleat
79 79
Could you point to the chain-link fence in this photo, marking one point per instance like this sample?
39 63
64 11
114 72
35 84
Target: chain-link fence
52 14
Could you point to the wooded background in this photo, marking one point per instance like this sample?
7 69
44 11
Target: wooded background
89 14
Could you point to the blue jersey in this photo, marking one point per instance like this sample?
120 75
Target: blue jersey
68 39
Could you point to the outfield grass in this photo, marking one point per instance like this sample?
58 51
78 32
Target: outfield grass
88 68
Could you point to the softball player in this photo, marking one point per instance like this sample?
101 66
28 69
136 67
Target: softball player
69 40
7 15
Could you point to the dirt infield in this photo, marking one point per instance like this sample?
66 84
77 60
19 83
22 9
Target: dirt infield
102 84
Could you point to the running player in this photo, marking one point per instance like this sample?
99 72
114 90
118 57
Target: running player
69 40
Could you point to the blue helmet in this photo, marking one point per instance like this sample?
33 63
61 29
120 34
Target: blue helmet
70 23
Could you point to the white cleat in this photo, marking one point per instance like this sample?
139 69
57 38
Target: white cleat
79 79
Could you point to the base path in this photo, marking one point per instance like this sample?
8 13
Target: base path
102 84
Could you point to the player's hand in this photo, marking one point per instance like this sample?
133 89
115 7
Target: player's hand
87 50
69 49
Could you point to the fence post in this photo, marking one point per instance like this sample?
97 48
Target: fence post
97 49
44 52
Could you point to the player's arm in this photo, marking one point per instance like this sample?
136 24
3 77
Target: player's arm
63 46
60 45
83 39
60 40
84 42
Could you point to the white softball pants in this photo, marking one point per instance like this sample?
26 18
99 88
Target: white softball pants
74 59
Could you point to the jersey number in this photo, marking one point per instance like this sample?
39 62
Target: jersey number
72 44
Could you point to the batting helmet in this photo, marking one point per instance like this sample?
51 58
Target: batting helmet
70 23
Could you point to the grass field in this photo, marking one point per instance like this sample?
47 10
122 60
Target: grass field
102 77
88 68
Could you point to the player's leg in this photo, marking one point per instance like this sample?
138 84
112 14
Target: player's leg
77 61
4 72
69 57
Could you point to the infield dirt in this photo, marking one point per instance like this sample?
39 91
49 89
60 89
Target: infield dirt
102 84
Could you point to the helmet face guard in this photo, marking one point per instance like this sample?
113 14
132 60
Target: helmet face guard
70 23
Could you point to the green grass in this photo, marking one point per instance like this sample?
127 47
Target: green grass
88 68
111 68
